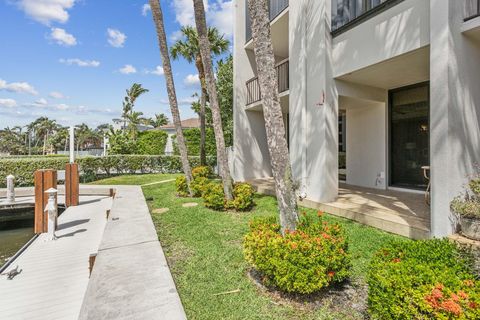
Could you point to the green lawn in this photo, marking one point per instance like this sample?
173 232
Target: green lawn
136 179
204 251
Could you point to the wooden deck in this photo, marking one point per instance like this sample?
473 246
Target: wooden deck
55 274
402 213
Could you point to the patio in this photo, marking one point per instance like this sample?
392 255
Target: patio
401 213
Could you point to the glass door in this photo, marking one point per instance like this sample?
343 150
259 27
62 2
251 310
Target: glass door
409 136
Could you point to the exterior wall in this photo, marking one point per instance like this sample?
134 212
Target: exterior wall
366 146
251 158
313 101
398 30
455 110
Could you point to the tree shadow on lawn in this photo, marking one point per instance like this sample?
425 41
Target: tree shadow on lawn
347 300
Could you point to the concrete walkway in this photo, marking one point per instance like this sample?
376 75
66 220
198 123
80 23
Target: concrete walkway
131 278
55 274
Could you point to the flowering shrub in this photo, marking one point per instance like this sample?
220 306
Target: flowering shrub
429 279
302 261
182 186
199 185
202 171
214 197
243 197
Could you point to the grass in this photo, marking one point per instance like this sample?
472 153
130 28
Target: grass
136 179
204 251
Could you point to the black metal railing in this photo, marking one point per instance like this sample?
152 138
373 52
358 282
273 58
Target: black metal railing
348 13
283 82
275 6
471 9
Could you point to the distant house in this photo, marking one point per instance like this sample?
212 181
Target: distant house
170 130
119 124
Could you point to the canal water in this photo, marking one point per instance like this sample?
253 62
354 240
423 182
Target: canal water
16 229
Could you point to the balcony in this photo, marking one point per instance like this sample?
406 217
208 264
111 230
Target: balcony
283 82
275 7
471 9
347 14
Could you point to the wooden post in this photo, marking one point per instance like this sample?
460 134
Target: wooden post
72 185
44 180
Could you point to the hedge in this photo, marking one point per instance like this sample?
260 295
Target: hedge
90 167
431 279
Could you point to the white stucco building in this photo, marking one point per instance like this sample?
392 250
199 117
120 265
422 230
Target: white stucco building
395 84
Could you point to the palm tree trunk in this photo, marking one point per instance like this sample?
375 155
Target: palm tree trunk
205 52
203 102
272 111
172 96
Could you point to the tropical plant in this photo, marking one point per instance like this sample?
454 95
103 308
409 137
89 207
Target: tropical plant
189 48
205 51
159 120
172 96
272 112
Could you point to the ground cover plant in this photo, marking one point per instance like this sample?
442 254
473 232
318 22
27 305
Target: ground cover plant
205 254
430 279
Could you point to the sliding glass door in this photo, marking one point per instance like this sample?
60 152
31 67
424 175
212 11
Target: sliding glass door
409 136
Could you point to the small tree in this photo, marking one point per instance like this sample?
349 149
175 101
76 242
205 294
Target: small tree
272 112
205 52
172 95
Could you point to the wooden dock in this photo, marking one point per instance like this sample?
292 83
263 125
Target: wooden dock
55 274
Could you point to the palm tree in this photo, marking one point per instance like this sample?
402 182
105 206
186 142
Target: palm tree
189 49
159 120
135 118
277 143
172 96
205 51
135 91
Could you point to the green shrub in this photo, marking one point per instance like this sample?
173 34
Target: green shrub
243 197
192 141
202 171
214 197
475 186
303 261
90 167
468 204
182 186
429 279
152 142
198 186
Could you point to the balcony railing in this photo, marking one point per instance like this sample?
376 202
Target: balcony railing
275 6
348 13
471 9
283 82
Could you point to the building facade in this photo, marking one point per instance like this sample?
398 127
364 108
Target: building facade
392 87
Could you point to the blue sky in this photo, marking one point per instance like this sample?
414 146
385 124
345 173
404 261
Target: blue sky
71 60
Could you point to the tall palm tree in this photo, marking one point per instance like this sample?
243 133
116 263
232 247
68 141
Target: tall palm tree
172 96
135 91
205 51
189 49
135 118
277 143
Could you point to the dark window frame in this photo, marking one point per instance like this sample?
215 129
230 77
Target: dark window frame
367 15
389 125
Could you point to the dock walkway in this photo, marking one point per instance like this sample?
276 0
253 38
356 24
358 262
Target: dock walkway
55 274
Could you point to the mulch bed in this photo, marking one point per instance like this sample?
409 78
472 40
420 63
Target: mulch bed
347 299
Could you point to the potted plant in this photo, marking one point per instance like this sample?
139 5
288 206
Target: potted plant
467 209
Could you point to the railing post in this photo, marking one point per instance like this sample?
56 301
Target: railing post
44 180
10 189
72 185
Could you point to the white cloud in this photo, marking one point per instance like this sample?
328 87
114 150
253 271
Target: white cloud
56 95
8 103
158 71
176 35
181 101
41 102
184 11
192 80
62 106
47 11
80 63
116 38
128 69
145 9
61 37
219 14
18 87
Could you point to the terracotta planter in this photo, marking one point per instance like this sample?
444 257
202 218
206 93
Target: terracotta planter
470 228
